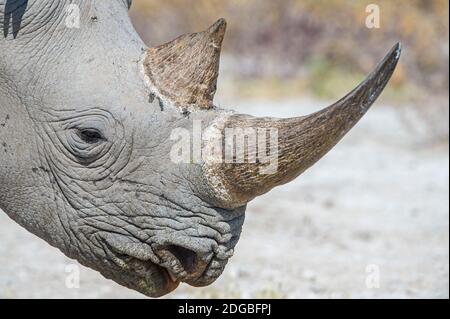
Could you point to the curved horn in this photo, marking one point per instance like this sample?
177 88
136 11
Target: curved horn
302 141
185 70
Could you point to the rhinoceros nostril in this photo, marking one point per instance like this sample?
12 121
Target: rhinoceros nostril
187 258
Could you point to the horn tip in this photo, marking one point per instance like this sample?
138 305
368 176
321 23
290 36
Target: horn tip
398 50
219 26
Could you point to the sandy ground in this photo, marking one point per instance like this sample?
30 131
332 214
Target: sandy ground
370 220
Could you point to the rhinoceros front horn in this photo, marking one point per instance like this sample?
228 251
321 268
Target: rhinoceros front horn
301 141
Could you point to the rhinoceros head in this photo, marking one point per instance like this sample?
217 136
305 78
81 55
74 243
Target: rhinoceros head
116 154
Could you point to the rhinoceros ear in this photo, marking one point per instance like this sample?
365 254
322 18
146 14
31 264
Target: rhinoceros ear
185 70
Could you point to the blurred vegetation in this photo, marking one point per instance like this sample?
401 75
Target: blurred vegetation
310 46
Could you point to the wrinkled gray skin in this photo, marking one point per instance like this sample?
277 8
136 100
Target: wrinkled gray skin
84 152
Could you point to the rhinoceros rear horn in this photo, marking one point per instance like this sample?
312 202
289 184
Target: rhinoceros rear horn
301 141
185 70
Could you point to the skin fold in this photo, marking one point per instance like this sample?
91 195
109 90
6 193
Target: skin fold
85 151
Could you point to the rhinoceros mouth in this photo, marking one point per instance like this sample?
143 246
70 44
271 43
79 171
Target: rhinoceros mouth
172 264
137 267
182 263
147 271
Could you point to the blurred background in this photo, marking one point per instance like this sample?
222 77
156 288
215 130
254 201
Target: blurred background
369 220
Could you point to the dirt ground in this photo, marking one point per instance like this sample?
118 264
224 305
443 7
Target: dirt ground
369 220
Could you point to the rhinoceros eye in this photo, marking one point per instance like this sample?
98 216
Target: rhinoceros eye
90 136
86 143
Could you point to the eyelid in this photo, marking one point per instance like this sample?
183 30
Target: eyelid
83 123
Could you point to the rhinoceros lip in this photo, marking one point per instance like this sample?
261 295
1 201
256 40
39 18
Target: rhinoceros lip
173 270
171 275
171 283
182 271
171 280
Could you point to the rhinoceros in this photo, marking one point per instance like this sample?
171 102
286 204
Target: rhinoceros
87 120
